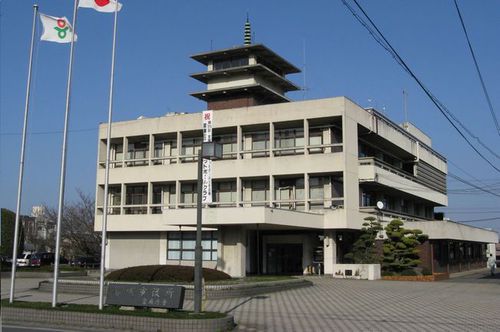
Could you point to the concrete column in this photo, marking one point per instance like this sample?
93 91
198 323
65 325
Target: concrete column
327 139
238 191
306 136
163 248
239 139
179 146
271 139
306 192
330 251
327 193
177 193
247 145
271 191
123 196
307 251
125 151
231 256
151 149
149 198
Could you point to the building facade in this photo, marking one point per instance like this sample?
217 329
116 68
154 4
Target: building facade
296 180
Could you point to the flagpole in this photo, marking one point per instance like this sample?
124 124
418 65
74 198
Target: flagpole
106 175
63 161
21 163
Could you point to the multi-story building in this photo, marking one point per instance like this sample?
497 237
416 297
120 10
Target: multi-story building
296 180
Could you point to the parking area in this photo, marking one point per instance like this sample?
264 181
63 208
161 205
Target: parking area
470 303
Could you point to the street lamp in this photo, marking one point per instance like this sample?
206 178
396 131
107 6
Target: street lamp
211 151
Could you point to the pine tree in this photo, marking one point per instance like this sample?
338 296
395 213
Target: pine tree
363 250
400 248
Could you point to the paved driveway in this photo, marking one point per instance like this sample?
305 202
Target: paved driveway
355 305
468 303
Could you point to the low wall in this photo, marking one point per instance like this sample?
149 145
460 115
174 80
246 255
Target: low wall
210 291
68 319
433 277
357 271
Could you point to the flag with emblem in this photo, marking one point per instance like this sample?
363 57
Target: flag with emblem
56 29
103 6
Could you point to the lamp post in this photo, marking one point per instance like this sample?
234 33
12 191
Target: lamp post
211 151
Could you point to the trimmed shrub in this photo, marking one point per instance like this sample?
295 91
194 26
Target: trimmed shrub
164 273
426 271
408 273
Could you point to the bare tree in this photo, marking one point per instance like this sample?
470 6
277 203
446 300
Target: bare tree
77 228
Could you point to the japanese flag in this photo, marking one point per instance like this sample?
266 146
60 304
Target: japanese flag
103 6
56 29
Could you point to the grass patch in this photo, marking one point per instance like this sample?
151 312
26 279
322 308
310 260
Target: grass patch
113 310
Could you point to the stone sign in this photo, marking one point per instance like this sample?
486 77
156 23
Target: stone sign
143 295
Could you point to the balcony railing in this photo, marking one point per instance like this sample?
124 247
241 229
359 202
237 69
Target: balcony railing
371 161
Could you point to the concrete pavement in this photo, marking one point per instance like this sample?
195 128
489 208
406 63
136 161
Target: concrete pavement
469 302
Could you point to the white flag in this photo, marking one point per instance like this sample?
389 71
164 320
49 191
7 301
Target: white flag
56 29
103 6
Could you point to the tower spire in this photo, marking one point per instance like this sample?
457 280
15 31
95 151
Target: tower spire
248 32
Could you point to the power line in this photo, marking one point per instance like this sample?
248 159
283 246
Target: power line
50 132
472 185
478 220
486 94
382 41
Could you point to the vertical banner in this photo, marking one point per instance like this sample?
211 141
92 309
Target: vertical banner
206 192
207 126
207 163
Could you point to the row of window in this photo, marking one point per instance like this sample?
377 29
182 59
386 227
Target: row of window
391 203
255 143
181 245
255 191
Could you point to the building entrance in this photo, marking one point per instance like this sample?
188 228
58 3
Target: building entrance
284 259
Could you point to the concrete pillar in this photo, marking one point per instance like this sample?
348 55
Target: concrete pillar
271 191
239 139
307 251
271 139
123 196
231 256
306 192
125 150
330 251
177 193
238 191
306 136
151 149
179 146
327 139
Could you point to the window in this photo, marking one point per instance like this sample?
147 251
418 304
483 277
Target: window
224 192
138 150
117 151
368 199
190 148
229 146
316 190
136 195
290 193
189 193
259 143
181 245
114 199
164 195
260 191
289 138
230 63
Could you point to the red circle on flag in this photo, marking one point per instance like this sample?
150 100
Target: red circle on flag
61 23
101 3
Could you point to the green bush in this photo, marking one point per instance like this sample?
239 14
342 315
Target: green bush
164 273
426 271
408 273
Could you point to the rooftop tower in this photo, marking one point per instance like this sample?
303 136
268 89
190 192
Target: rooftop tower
243 76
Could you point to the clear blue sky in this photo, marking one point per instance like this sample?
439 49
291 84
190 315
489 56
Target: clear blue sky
153 66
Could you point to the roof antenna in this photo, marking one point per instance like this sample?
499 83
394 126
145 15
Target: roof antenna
248 33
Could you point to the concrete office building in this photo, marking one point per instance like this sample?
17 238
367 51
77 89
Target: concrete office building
293 188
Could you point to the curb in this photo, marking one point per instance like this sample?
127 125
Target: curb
72 319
